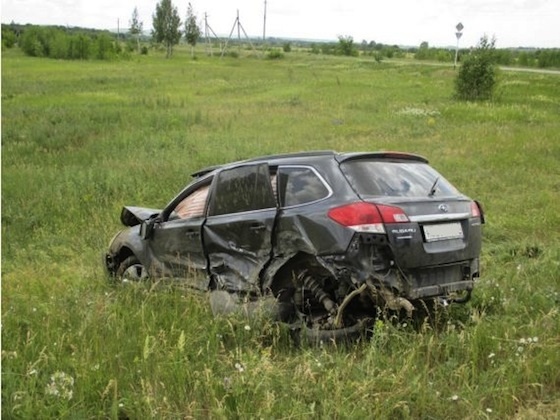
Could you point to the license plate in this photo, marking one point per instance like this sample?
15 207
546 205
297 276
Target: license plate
443 231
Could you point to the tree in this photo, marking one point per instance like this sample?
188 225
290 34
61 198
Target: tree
346 46
136 27
477 76
8 37
192 30
166 23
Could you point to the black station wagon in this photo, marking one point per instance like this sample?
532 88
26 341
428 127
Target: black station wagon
326 239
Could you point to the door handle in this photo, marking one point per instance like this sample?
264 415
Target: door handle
192 233
257 226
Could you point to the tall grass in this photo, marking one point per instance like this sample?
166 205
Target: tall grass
80 139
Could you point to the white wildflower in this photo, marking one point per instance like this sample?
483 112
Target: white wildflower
247 328
454 397
61 385
488 410
491 355
535 339
240 368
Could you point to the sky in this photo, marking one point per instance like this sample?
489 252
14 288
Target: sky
514 23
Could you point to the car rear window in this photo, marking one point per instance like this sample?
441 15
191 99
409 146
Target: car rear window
373 178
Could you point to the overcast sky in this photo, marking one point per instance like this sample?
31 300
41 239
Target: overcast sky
531 23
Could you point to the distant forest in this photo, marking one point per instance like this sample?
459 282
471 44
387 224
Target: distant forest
74 43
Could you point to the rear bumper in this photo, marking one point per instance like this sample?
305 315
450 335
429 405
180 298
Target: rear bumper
441 281
440 290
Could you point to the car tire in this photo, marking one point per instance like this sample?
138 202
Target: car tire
131 270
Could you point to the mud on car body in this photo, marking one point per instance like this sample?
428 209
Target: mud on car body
325 239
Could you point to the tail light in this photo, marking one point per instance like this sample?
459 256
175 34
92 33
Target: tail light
367 217
476 210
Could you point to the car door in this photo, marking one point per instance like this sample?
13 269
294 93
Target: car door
237 233
176 242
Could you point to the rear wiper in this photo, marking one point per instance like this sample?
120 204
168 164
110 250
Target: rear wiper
434 187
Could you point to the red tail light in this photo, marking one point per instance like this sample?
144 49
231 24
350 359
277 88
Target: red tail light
476 210
367 217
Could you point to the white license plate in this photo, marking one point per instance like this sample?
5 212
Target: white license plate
443 231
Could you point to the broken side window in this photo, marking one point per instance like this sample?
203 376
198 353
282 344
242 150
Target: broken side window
194 204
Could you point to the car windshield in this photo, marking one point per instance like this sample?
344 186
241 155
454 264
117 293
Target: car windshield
373 178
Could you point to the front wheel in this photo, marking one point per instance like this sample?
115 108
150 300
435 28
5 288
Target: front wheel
131 270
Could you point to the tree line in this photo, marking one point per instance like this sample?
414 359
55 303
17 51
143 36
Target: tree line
525 57
168 30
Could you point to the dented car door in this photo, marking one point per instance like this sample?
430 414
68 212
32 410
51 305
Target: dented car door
237 233
176 242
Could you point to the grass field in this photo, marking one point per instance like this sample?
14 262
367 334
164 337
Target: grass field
81 139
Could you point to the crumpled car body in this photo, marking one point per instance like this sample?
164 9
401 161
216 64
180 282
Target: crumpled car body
327 239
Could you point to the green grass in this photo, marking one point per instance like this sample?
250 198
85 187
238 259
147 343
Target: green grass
80 139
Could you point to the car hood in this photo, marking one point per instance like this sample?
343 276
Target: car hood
132 216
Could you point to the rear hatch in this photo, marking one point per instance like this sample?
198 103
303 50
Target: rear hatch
428 222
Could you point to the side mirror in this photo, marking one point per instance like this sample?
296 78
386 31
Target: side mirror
147 229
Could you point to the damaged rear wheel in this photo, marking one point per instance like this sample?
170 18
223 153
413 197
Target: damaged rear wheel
327 311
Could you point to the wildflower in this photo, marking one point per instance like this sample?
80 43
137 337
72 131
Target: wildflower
491 355
247 328
488 410
522 341
535 339
455 397
61 386
240 368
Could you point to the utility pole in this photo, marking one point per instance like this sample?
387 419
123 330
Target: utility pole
264 24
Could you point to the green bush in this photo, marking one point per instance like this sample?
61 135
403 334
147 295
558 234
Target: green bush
8 37
476 79
274 54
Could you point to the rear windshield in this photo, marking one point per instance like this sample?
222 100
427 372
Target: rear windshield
373 178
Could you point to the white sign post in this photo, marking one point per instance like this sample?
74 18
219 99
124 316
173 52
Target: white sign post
458 34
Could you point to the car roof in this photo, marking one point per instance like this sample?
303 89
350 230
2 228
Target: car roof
292 158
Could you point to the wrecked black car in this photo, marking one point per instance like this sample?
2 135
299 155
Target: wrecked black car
326 239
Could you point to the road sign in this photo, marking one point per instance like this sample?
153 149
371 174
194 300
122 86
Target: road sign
458 34
459 27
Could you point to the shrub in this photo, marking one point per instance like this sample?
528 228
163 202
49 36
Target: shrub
274 54
8 37
476 79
